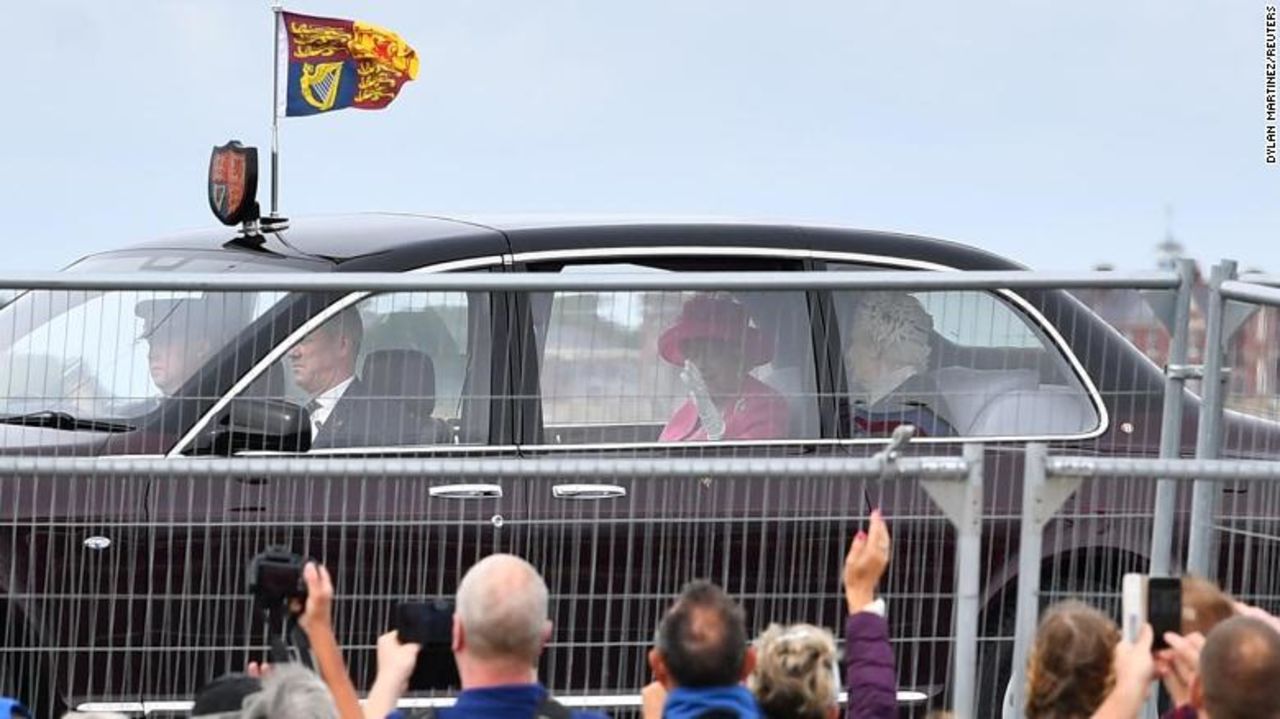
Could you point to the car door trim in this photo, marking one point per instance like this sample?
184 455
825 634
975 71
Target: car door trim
465 491
588 491
1086 382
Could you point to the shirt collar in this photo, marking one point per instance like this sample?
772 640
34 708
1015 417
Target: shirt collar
333 394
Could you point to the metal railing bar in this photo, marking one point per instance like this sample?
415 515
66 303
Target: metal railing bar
450 468
491 281
1258 290
1181 469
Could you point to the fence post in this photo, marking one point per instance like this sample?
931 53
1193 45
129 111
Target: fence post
1029 550
1175 379
1204 503
968 579
962 503
1042 497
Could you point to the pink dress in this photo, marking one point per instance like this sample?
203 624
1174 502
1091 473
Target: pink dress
758 413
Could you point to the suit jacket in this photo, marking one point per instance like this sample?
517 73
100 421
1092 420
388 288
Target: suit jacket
362 420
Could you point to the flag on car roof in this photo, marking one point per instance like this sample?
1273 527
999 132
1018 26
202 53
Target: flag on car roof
332 64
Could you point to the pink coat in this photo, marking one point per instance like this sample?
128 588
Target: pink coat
759 413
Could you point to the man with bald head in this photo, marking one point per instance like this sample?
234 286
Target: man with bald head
500 627
1239 671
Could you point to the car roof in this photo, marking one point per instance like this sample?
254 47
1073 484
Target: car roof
397 241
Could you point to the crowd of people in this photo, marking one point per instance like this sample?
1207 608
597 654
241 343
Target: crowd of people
1224 663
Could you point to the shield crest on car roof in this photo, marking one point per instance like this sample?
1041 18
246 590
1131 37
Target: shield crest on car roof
233 183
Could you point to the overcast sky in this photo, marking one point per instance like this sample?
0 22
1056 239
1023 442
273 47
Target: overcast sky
1051 132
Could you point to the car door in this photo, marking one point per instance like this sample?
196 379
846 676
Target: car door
603 380
428 368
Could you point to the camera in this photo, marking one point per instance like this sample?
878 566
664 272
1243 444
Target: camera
1154 600
275 578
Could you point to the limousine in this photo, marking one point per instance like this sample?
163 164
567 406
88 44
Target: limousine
127 593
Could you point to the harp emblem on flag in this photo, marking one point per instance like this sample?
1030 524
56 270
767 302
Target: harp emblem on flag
319 84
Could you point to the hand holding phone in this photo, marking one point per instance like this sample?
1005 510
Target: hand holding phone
429 624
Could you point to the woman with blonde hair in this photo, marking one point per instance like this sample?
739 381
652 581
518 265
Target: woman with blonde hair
795 675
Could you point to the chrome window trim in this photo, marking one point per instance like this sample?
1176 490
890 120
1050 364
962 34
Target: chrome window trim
393 449
1104 417
278 351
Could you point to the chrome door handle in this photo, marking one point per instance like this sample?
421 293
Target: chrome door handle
588 491
466 491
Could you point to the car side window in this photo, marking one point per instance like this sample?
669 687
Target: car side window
673 366
953 364
394 369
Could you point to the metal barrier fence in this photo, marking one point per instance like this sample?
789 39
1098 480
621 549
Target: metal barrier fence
124 575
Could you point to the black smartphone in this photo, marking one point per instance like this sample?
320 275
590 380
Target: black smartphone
1164 608
1153 600
430 624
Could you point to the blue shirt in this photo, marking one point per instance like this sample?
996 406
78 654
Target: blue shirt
12 708
687 703
511 701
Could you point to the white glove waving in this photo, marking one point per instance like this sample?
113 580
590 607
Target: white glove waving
708 414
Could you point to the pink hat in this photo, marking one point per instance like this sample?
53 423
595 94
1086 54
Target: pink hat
715 317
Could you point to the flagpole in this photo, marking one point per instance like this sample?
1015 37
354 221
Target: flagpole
278 9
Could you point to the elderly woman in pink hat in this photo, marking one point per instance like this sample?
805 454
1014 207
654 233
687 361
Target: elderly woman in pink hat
716 346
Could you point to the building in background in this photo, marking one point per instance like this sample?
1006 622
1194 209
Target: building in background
1253 351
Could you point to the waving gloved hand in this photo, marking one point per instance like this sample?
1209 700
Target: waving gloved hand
708 414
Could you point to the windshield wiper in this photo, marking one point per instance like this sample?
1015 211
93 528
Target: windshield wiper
64 420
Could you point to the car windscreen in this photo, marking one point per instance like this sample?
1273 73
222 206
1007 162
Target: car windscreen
116 354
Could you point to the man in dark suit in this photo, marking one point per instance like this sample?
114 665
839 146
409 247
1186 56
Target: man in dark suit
343 412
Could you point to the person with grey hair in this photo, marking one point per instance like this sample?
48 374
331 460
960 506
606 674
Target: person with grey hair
500 627
290 691
888 347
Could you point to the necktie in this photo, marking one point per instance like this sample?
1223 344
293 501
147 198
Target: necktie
312 408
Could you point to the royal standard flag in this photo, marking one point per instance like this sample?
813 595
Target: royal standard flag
331 64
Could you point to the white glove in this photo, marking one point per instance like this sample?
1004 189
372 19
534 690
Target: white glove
708 414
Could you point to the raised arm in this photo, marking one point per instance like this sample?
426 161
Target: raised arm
1134 671
317 622
395 665
870 677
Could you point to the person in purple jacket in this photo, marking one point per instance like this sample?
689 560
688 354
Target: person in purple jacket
870 677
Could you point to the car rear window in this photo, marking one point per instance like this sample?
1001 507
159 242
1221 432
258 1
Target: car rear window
954 364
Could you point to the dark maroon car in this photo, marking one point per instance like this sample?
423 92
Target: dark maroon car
127 593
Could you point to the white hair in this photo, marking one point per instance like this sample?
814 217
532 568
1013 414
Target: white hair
502 605
290 691
895 327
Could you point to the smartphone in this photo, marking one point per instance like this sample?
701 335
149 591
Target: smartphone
1164 608
430 624
1154 600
